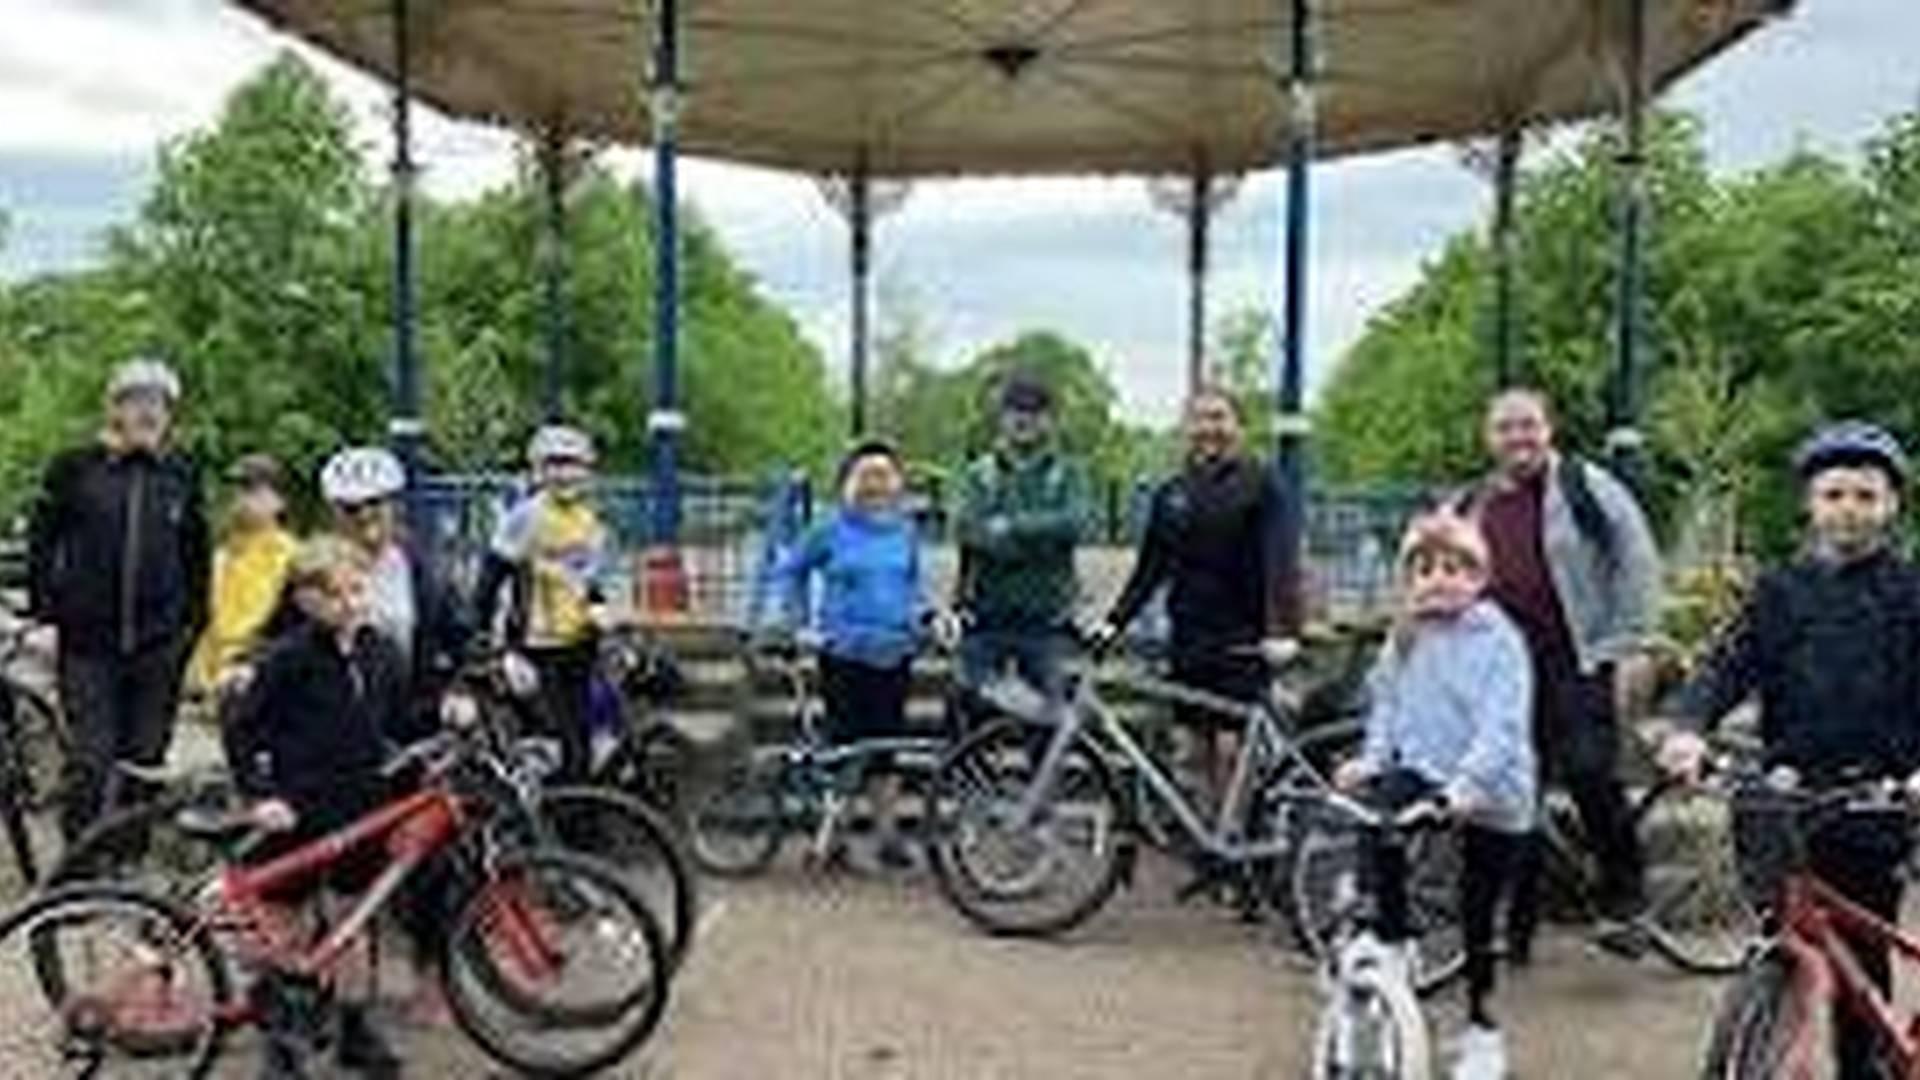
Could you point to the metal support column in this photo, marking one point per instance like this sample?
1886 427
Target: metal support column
553 266
1624 440
1290 426
860 225
404 425
1506 175
1199 215
665 422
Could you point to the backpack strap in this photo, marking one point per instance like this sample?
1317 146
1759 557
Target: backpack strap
1589 517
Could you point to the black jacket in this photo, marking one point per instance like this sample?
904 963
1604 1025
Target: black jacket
1208 536
316 722
119 551
1834 653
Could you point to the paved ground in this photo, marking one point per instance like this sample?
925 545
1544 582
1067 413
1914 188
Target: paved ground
839 978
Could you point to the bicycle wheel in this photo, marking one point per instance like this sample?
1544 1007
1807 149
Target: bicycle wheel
40 740
1033 879
653 766
1325 886
736 824
631 837
1371 1033
15 793
555 966
1698 916
1761 1031
147 993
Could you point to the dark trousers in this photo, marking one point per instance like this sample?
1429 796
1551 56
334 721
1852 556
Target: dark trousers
1487 859
118 708
566 689
1577 740
1862 859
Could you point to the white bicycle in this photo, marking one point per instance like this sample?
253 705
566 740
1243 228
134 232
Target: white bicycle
1370 1025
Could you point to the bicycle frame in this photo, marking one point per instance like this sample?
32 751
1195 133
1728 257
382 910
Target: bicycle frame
1088 716
1813 919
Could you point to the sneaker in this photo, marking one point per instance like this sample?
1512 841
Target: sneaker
1480 1053
362 1049
893 855
1627 939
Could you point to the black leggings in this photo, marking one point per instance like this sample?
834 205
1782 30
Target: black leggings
566 689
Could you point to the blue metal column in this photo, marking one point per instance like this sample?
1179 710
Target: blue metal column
1506 178
665 422
404 425
1199 215
1624 440
1290 427
860 224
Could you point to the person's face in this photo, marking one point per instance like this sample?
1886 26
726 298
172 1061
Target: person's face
369 524
873 484
257 506
1441 582
142 418
338 600
565 477
1213 429
1519 435
1852 509
1026 429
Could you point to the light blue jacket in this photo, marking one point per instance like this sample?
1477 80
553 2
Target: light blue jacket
1456 707
870 599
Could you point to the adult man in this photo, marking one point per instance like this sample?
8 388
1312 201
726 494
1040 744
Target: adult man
1574 565
1018 521
1829 643
1206 539
119 557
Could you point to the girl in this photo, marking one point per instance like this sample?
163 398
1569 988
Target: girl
1451 701
249 571
867 557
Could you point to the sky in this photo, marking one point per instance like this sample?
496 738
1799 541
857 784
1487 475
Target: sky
96 84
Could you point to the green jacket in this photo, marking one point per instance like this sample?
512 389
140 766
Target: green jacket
1018 521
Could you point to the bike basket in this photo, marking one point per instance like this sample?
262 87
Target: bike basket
1766 842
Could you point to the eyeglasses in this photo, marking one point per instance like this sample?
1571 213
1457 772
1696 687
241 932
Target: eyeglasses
360 509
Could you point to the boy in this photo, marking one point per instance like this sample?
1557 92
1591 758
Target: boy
1451 719
553 548
1831 644
307 741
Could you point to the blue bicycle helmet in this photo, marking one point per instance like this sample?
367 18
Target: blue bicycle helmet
1850 444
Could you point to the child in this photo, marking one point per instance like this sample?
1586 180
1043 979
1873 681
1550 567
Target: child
867 557
307 741
1831 644
553 548
1451 702
249 572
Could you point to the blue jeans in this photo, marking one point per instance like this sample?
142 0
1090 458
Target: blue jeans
1039 657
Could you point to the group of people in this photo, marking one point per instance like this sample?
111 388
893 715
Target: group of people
1526 613
322 655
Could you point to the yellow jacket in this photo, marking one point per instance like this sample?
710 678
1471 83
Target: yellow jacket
249 572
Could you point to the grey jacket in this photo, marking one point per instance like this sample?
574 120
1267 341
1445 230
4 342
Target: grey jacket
1611 599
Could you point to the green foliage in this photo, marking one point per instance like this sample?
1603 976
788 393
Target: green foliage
260 265
1775 298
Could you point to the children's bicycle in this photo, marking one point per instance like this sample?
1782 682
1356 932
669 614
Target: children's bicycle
1370 1025
1776 1020
552 963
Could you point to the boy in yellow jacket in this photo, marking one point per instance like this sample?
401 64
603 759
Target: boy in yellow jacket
249 570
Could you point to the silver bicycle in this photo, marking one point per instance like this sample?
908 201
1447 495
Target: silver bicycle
1039 814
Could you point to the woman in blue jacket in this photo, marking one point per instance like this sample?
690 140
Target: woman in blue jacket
867 559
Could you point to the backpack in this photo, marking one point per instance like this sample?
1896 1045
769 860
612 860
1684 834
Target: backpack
1589 517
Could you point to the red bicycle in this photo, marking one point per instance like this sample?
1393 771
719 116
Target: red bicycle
553 964
1776 1020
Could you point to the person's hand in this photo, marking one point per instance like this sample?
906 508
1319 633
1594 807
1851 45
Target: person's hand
1352 775
233 680
273 815
1279 653
459 711
946 629
1102 637
1682 754
998 528
42 641
1783 778
1912 787
601 618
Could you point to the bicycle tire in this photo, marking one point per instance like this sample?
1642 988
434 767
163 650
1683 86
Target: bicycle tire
638 1016
15 791
957 881
1755 1032
34 916
643 835
653 766
1328 850
41 746
1321 747
1410 1056
1698 916
748 800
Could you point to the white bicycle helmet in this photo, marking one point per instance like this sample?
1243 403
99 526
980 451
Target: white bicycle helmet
144 376
362 474
558 442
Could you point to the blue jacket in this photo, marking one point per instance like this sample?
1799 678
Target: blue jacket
1456 706
869 568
